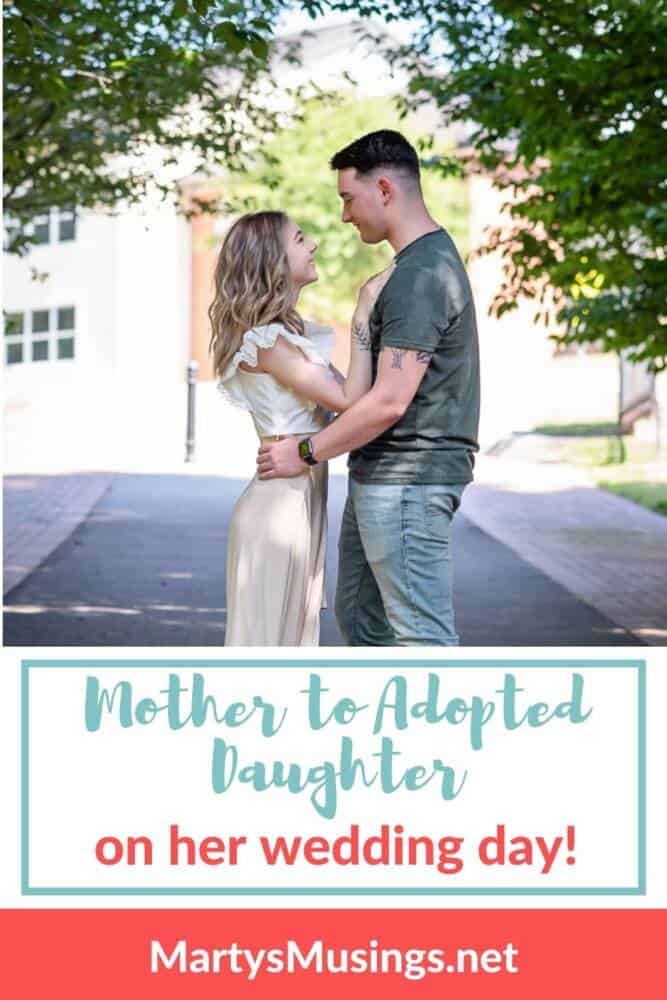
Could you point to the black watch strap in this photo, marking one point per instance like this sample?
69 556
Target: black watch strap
306 452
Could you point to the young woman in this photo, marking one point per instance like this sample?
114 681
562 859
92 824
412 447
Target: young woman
273 364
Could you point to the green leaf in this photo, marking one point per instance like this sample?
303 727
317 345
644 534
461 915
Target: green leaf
259 47
227 34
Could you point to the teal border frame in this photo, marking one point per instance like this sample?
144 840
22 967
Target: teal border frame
637 890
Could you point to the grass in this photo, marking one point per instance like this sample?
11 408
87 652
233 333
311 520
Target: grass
628 468
599 429
593 452
622 465
648 494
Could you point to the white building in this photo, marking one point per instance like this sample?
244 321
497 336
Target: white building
111 302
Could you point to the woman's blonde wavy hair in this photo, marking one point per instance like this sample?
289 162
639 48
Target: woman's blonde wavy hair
253 284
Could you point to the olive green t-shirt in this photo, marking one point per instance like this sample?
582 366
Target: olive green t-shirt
427 305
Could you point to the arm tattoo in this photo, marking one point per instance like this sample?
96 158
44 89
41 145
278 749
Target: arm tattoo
362 335
423 357
397 358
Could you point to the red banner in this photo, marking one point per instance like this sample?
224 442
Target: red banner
329 953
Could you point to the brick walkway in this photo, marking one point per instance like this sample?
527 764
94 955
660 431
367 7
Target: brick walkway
40 512
147 568
608 551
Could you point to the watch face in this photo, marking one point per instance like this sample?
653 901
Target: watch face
306 451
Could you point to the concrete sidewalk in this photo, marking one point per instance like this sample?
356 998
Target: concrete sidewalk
607 551
147 568
62 453
39 513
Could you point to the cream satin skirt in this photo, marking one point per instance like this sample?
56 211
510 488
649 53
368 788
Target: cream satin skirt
275 561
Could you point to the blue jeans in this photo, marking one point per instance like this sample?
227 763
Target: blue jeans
394 572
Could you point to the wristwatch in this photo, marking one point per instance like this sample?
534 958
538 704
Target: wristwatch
306 451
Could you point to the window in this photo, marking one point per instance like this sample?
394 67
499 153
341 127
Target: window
40 327
66 225
56 226
11 230
40 321
65 333
14 338
40 335
41 226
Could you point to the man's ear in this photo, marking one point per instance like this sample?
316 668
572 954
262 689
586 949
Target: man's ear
386 188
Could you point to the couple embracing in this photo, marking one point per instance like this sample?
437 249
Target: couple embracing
407 413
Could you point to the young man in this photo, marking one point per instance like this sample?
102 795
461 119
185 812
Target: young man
412 438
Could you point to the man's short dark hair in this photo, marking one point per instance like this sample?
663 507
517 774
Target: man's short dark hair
379 149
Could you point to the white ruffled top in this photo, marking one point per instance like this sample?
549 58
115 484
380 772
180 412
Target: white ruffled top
275 409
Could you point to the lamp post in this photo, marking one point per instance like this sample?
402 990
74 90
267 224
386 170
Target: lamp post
191 376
